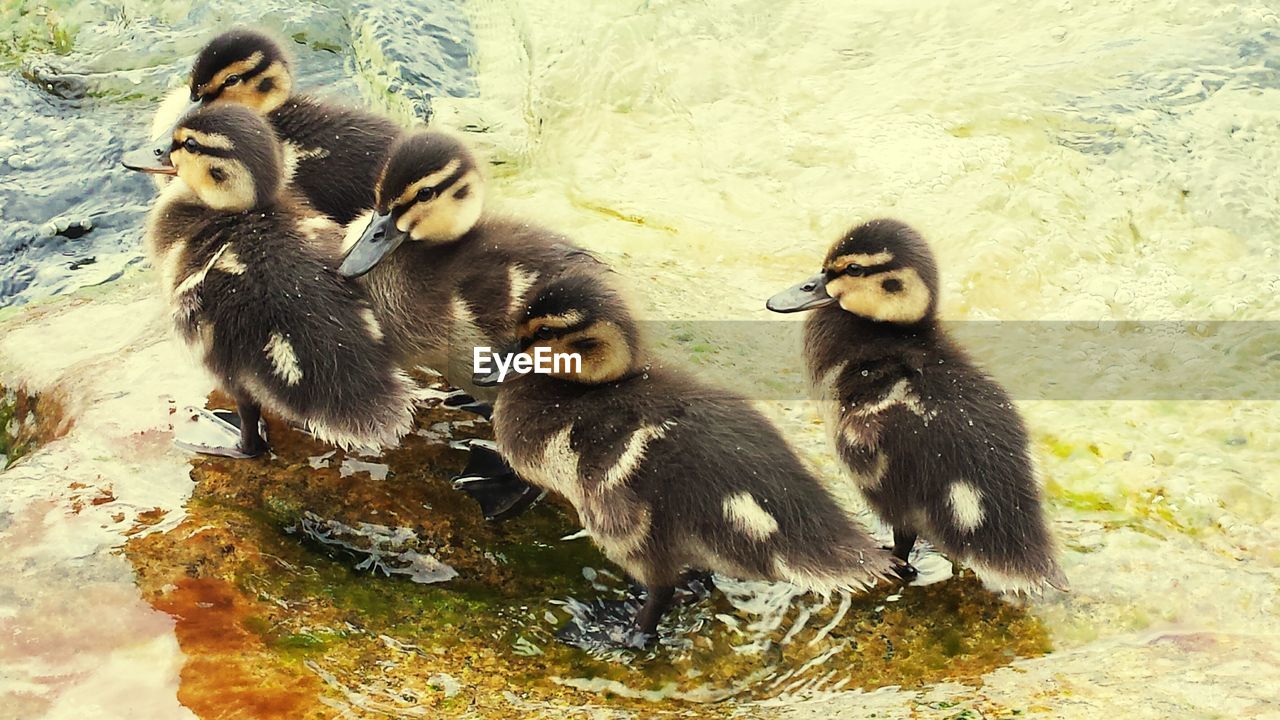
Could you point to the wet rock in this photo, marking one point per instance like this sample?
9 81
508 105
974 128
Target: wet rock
317 579
28 421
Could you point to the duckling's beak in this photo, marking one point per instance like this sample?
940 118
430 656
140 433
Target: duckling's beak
811 293
503 363
488 380
153 160
378 239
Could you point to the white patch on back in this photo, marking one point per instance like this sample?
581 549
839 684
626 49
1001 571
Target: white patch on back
310 226
557 467
900 394
230 262
825 389
371 324
192 281
283 359
966 505
519 281
633 454
748 517
171 264
294 154
354 229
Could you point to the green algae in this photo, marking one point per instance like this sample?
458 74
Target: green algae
35 28
26 422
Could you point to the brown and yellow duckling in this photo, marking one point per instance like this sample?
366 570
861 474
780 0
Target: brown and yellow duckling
668 475
446 277
332 152
248 271
935 446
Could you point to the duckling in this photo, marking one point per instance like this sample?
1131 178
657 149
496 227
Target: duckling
667 474
254 293
445 277
332 152
934 445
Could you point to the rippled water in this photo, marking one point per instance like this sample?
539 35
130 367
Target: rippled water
1069 160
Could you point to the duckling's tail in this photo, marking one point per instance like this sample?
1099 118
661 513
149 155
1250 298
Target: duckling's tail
381 417
1016 581
854 565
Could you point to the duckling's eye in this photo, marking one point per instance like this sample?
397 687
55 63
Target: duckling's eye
231 80
426 194
544 333
855 271
190 144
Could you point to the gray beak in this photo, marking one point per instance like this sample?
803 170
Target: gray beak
377 240
501 359
155 158
488 380
811 293
151 160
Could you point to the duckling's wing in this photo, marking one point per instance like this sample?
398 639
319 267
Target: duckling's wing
575 253
970 466
305 343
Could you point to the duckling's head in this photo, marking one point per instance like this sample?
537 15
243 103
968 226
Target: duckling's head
881 270
242 66
578 316
227 155
430 190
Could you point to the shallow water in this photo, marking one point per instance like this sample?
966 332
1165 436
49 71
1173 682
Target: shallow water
1068 160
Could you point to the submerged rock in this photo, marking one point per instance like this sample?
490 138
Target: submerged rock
383 590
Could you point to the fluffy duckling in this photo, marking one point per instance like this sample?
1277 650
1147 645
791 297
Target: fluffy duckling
445 278
248 273
935 445
332 152
668 475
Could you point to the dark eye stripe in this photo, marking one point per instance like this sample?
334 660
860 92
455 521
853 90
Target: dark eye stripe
258 69
436 190
448 182
204 150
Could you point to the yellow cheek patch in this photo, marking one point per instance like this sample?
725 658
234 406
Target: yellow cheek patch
235 192
898 296
446 217
841 263
609 360
251 94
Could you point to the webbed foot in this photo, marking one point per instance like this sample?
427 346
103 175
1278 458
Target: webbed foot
218 432
906 572
606 625
460 400
491 482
